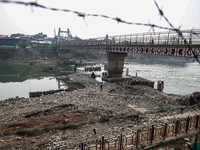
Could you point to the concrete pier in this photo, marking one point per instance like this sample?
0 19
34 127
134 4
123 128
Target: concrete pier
115 64
65 54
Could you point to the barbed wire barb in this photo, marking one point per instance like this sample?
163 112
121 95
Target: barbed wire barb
176 30
117 19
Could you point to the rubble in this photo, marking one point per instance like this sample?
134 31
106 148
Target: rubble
65 119
191 99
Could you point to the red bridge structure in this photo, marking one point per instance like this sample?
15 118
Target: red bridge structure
168 43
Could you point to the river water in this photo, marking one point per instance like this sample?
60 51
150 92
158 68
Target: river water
19 80
179 79
182 79
22 89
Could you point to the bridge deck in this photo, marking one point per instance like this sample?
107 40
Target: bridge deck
150 49
168 43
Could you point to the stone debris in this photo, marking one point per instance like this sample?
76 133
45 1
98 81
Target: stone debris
120 108
191 99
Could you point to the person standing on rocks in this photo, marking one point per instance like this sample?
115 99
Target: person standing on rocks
101 86
93 75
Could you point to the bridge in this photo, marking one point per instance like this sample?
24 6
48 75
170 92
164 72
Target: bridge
168 43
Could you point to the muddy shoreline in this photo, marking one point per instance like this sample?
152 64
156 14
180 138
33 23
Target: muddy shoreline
69 118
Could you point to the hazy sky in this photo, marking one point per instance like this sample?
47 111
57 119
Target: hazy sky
23 19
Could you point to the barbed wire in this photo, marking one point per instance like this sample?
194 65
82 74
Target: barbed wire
117 19
83 15
177 30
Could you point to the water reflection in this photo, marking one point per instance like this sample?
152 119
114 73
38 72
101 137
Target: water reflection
22 89
9 78
19 80
20 73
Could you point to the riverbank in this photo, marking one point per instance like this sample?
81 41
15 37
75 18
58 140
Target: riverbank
48 56
65 119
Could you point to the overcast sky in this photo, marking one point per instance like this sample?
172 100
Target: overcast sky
23 19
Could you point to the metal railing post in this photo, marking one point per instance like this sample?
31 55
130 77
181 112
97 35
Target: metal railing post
176 127
152 133
168 37
121 142
143 39
165 131
82 146
137 139
190 40
197 122
102 143
187 124
178 40
136 39
97 145
150 39
158 38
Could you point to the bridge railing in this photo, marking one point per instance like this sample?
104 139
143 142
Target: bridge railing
159 38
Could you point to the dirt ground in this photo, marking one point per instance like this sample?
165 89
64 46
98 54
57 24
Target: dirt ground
64 120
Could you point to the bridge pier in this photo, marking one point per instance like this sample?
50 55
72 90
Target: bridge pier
64 54
115 64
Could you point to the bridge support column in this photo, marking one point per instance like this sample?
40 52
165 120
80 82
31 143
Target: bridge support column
115 64
64 54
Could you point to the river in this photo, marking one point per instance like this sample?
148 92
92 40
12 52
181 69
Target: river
18 80
179 78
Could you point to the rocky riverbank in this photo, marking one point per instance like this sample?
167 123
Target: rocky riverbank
47 56
63 120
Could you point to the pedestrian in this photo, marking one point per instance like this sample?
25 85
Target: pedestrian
101 87
93 75
75 69
94 130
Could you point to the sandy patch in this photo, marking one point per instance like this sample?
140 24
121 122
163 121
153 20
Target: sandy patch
142 110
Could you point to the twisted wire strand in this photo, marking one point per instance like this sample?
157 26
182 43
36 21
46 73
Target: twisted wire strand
177 30
117 19
83 15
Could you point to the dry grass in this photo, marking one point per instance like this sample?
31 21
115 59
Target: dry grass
13 144
65 121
